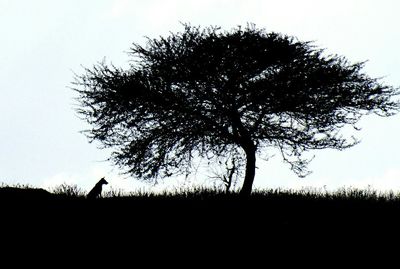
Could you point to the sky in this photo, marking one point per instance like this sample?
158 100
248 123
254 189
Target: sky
44 43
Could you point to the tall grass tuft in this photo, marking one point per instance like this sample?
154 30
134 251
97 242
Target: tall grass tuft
66 190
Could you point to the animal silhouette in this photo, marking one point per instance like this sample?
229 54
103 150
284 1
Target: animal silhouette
96 191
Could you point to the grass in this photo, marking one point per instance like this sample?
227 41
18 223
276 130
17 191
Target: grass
205 193
204 207
203 218
66 190
201 221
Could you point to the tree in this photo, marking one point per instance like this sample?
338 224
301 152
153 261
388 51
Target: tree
226 94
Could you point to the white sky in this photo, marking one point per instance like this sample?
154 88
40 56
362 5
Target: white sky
44 41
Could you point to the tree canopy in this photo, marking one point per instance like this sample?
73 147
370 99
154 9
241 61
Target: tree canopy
214 94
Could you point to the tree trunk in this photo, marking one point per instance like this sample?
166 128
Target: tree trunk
250 172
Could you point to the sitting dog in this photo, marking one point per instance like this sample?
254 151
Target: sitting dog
96 191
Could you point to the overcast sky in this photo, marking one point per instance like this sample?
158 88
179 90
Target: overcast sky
43 42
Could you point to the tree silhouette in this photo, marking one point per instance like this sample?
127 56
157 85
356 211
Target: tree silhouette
225 94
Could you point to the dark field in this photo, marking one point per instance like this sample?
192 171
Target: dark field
203 209
200 225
